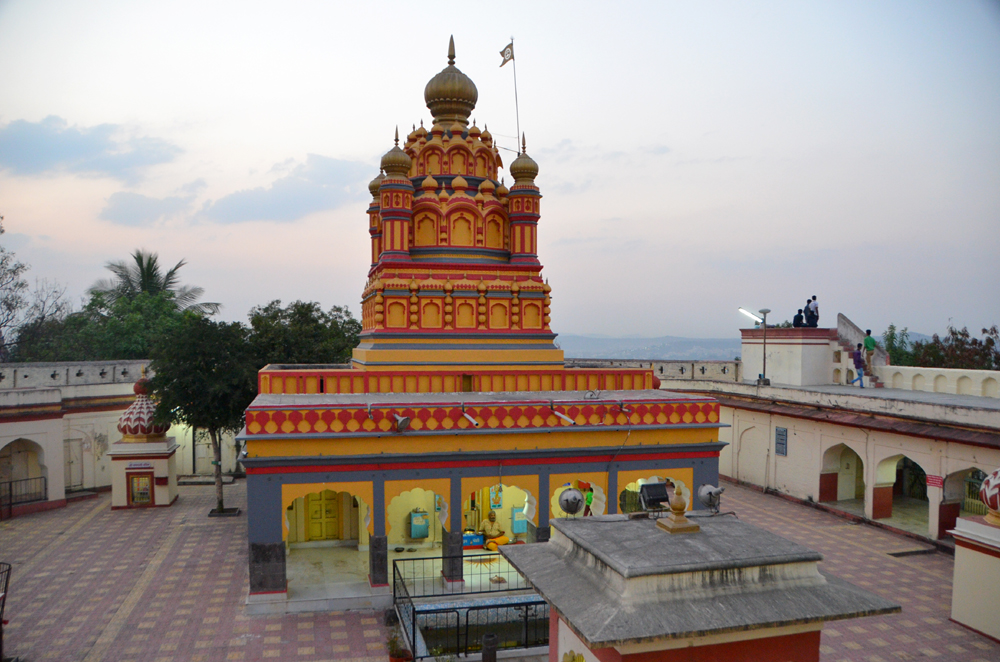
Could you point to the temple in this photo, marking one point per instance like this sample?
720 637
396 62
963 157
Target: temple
457 403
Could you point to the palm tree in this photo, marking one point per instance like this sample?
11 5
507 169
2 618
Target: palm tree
144 275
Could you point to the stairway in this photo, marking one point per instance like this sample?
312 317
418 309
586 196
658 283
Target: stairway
871 380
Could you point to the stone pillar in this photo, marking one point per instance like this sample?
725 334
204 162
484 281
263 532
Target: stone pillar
882 501
935 499
828 486
452 557
266 545
378 561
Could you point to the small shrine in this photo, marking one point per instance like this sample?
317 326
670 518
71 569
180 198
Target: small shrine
143 466
623 589
976 584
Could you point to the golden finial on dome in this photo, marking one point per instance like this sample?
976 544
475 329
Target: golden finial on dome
397 135
451 95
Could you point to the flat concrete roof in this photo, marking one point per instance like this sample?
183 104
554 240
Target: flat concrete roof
715 600
270 400
927 397
724 542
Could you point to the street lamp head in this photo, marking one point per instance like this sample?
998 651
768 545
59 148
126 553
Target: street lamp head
764 311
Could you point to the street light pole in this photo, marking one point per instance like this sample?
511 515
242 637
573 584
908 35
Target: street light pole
764 381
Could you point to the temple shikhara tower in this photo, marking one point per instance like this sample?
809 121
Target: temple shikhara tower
455 280
457 416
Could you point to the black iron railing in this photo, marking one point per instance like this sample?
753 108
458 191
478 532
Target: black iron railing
475 573
4 589
459 630
14 492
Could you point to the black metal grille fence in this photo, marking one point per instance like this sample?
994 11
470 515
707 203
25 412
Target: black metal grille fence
459 630
476 573
14 492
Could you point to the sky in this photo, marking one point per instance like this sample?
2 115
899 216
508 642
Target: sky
694 157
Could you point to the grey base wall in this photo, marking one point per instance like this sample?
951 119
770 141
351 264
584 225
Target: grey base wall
267 568
378 561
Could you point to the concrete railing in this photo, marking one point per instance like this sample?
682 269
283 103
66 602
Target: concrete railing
984 383
69 373
719 371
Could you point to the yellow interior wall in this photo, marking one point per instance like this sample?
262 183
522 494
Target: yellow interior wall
397 514
512 496
557 484
363 491
631 478
527 484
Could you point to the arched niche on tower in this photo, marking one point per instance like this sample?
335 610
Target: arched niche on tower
462 227
430 160
531 315
459 159
425 228
495 231
499 315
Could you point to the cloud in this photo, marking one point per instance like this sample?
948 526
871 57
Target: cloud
319 184
126 208
51 145
135 209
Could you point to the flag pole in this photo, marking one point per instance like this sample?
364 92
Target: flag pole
517 111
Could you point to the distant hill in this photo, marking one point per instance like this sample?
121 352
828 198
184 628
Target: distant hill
662 348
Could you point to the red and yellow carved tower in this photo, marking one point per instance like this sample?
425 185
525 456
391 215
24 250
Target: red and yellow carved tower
455 280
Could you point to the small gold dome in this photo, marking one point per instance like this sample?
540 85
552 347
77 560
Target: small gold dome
523 169
451 95
456 129
502 190
459 183
474 132
396 162
487 187
429 184
374 184
487 137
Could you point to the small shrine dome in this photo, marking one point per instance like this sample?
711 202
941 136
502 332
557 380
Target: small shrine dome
137 420
989 493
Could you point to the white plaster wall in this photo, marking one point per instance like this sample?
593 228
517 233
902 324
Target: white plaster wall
48 435
984 383
975 588
807 363
751 456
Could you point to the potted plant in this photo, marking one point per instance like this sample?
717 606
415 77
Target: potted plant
398 652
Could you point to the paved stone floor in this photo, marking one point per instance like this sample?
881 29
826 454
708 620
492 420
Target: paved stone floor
168 585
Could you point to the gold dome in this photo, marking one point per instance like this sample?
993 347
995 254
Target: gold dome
459 183
523 168
396 161
451 95
374 184
502 190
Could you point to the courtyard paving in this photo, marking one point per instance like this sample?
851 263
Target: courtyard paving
168 585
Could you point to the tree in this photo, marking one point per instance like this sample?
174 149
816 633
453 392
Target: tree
205 375
897 345
13 290
960 350
302 333
144 275
127 329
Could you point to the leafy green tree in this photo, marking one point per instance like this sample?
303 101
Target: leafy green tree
959 349
125 329
205 375
13 295
143 275
302 333
897 345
